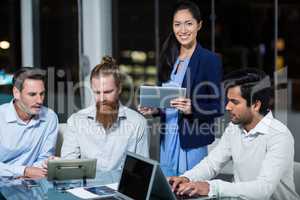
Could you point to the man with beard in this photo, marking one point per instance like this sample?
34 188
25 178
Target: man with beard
108 129
28 130
261 148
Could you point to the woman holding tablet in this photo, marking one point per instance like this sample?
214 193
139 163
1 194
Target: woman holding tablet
188 124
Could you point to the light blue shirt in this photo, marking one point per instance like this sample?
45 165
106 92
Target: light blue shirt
25 144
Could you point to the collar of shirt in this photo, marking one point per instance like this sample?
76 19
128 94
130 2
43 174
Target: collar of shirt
262 127
121 113
12 116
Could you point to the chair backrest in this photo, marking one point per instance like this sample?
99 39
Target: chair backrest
297 176
60 138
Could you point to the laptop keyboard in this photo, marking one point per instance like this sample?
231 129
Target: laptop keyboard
181 197
112 198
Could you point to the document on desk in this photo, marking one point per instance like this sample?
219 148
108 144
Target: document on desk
95 191
159 97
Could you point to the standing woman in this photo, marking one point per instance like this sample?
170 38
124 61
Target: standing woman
188 125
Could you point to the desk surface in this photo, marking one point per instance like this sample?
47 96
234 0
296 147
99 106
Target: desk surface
16 190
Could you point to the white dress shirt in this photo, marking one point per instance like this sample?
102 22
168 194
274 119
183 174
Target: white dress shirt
263 162
86 138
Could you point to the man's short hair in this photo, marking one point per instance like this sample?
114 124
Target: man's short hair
27 73
254 84
107 67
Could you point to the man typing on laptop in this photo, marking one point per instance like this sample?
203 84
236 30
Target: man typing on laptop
261 148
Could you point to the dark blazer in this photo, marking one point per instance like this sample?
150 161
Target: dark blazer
203 82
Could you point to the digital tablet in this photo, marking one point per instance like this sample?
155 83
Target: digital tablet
64 169
159 97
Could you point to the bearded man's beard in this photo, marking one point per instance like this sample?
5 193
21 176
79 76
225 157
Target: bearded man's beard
107 113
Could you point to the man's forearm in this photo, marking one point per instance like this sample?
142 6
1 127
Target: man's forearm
200 172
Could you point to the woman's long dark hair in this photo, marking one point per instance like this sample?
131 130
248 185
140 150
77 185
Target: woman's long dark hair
170 47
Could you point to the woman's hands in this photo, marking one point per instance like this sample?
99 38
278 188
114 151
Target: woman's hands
182 104
146 111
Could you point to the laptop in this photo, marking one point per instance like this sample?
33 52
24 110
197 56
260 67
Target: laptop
141 179
135 183
161 189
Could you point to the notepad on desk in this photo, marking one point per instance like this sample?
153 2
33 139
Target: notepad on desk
95 191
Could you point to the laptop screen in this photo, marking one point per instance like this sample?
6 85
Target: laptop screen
136 177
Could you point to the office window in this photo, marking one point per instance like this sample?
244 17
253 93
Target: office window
10 46
58 46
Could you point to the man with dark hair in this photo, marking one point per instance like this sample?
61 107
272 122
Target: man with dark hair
107 129
28 130
261 147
